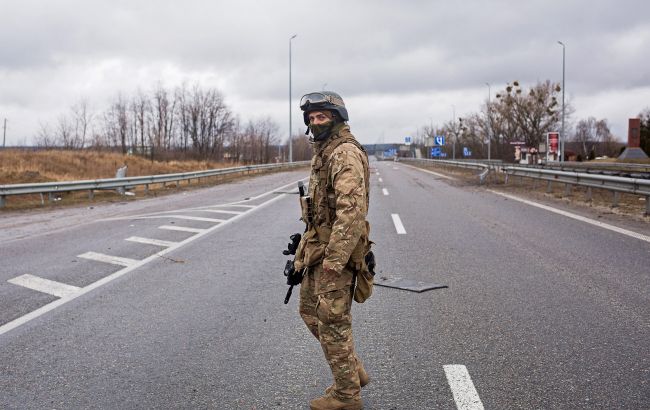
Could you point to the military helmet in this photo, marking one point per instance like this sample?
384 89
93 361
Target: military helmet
323 100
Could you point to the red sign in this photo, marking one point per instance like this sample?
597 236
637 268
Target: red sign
553 142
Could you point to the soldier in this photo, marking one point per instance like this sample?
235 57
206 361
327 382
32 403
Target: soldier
332 249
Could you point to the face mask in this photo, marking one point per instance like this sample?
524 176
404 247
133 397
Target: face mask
321 131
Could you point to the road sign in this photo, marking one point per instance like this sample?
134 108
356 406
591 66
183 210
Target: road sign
467 152
439 140
407 140
436 152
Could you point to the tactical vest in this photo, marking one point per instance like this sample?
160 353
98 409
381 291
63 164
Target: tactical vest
323 206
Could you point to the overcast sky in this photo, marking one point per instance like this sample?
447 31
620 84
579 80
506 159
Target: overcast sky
398 64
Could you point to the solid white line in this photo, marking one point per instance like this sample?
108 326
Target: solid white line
398 224
115 260
181 228
429 172
45 285
156 256
150 241
603 225
385 191
461 385
381 180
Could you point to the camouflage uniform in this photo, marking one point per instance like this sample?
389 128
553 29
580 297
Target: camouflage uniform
332 249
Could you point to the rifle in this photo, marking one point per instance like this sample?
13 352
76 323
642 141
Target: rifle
293 277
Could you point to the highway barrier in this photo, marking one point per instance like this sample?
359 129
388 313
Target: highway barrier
52 188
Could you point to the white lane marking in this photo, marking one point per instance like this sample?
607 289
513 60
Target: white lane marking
221 211
189 218
150 241
381 180
44 285
115 260
461 385
156 256
395 168
236 204
385 191
603 225
430 172
181 228
398 224
377 173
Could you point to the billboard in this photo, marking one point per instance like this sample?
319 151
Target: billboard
553 142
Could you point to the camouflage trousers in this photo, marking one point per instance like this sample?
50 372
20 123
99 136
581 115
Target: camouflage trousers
329 319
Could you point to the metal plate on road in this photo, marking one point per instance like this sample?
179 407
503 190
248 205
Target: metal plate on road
407 284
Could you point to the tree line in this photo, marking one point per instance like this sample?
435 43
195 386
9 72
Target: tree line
519 115
189 122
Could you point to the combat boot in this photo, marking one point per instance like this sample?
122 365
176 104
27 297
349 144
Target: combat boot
363 379
329 402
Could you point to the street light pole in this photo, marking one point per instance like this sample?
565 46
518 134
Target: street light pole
489 122
453 124
562 136
290 107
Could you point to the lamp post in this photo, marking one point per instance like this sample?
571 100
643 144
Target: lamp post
290 107
489 122
453 124
562 136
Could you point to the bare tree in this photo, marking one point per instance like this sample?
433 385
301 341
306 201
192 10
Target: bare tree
45 137
590 134
82 119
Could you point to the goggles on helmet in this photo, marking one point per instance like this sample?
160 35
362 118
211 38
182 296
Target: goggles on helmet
319 98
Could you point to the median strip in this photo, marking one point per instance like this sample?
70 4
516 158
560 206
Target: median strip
101 257
44 285
150 241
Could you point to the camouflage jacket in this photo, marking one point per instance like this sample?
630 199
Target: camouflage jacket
338 234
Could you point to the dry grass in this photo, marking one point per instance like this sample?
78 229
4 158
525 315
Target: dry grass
23 166
20 166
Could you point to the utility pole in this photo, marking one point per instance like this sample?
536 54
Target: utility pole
489 122
562 136
290 107
4 134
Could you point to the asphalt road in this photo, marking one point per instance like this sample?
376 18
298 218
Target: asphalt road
542 311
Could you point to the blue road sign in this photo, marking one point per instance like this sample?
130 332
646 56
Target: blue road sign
407 140
436 152
466 152
439 140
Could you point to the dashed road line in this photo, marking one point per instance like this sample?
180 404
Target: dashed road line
599 224
115 260
398 224
181 228
381 180
150 241
385 191
44 285
465 395
137 264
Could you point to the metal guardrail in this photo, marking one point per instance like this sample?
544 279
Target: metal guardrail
51 188
615 184
482 165
603 168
